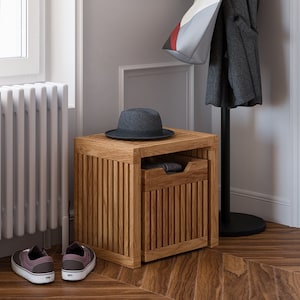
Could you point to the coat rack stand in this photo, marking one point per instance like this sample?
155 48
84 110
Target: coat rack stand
232 224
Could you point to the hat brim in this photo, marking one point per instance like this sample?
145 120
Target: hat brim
116 134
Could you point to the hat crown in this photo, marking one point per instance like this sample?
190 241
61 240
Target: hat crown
143 120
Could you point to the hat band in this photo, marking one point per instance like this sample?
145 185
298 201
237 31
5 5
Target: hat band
146 133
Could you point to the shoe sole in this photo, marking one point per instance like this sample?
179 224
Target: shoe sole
76 275
36 278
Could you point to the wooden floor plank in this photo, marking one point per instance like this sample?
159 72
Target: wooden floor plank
157 276
183 276
209 282
262 281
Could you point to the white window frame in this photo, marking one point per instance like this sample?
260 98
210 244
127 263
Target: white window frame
32 67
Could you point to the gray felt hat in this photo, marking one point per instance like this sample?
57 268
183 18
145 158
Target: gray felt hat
139 124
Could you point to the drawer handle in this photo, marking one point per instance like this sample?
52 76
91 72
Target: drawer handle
169 167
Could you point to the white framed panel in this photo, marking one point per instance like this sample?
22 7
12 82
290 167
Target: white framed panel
165 87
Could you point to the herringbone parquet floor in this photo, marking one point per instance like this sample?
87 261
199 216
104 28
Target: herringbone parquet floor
263 266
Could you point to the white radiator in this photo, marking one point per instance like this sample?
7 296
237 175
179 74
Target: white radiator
34 159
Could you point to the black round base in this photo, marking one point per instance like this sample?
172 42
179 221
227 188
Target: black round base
241 225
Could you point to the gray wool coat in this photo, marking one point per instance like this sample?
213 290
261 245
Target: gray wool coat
234 71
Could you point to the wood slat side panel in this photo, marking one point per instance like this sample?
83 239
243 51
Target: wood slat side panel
110 217
126 209
205 206
211 154
102 203
159 219
195 206
153 214
120 208
188 204
135 212
213 193
200 212
100 208
118 213
90 200
182 206
165 218
95 191
84 198
174 216
117 201
177 214
146 207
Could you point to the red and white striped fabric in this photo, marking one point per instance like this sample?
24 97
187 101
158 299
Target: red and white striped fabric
190 40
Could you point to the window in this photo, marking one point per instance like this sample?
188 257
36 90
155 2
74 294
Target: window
21 38
13 16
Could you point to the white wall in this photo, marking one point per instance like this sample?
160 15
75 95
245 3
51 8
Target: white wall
118 33
61 57
61 44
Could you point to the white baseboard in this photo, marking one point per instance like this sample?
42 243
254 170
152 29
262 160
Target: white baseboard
265 206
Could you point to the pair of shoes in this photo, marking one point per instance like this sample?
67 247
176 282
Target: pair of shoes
37 267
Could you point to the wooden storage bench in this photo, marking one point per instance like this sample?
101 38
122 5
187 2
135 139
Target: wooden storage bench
129 215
